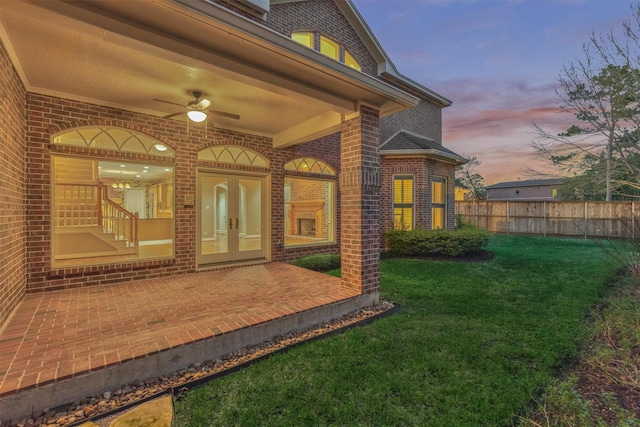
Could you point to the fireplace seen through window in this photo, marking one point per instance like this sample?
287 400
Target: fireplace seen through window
306 227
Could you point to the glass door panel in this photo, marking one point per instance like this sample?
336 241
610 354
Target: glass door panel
250 215
231 218
214 217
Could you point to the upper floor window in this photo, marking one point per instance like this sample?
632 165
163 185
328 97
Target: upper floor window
327 47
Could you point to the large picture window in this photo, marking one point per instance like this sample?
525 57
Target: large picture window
308 204
438 202
403 205
110 211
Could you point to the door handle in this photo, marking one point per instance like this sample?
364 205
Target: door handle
230 223
237 223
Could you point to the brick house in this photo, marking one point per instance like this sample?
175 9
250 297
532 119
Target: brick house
531 189
311 141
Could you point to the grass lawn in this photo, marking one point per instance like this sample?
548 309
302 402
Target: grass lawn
474 344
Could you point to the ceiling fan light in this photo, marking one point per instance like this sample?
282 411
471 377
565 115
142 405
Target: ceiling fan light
197 115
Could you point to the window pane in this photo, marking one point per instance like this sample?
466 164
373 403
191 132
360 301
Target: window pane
329 48
308 206
110 212
403 190
438 202
403 218
437 214
303 38
438 191
403 202
351 61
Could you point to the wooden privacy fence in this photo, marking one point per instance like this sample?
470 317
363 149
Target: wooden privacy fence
551 218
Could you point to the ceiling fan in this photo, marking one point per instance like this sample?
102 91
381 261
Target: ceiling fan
197 110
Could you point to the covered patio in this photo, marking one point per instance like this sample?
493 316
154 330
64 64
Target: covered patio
64 345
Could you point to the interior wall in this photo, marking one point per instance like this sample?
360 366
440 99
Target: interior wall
12 188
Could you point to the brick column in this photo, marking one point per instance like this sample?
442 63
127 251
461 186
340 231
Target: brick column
360 202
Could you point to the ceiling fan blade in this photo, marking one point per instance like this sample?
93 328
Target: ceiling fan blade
169 102
173 115
223 114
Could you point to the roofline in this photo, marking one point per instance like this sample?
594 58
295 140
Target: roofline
265 35
386 68
417 135
527 183
429 153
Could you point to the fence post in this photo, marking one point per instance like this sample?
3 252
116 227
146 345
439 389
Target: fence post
508 224
544 216
585 218
633 220
475 212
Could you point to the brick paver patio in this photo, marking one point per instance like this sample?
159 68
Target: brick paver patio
59 335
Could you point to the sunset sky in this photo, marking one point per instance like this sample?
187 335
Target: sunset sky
497 60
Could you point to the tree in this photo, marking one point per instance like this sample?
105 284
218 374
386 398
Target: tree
602 91
468 177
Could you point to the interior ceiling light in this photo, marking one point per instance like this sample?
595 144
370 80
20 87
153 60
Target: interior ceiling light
197 116
160 147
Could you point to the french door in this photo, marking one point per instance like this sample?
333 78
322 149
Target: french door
231 223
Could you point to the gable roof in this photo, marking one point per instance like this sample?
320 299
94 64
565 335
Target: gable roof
386 68
405 143
527 183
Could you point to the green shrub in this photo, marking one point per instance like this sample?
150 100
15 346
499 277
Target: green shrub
319 262
436 242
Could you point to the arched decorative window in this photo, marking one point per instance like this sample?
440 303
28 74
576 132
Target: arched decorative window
234 155
326 46
114 139
309 203
309 164
111 208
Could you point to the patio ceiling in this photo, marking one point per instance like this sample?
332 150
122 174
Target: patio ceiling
128 54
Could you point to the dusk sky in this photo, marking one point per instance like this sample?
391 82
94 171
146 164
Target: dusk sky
497 60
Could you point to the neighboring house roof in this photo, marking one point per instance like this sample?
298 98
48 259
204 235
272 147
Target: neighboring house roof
386 68
527 183
405 143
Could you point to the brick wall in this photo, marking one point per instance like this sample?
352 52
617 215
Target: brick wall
12 188
390 167
326 149
324 17
360 188
424 119
422 170
48 115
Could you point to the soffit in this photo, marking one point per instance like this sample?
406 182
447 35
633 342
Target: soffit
125 54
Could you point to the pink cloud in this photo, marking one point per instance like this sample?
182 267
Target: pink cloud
494 121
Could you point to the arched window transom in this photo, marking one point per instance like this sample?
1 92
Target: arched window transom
113 139
308 164
234 155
